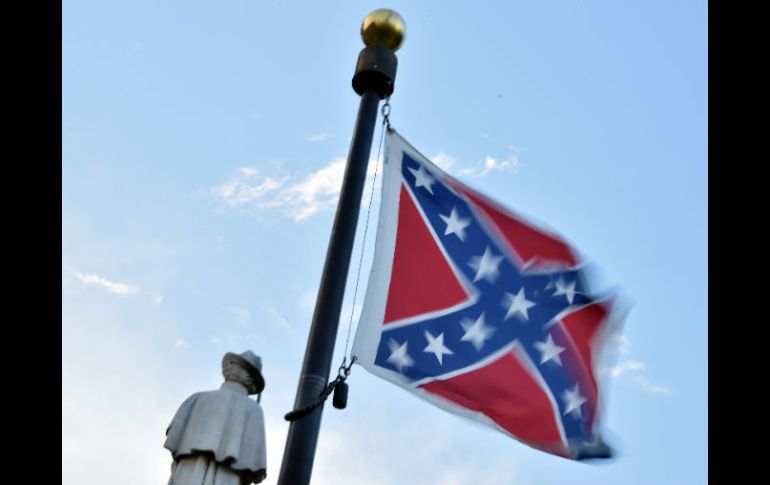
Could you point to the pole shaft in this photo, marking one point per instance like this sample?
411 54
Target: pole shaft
302 439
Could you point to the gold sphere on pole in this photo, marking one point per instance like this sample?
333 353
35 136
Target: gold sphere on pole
384 27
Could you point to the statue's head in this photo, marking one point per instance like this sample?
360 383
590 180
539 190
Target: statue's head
245 369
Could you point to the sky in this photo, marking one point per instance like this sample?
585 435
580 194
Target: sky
203 145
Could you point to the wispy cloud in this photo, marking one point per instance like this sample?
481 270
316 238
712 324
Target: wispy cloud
181 343
651 387
511 164
490 164
317 191
623 367
297 197
114 287
111 286
246 187
317 137
445 162
620 344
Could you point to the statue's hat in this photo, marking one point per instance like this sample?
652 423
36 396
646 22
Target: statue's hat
253 365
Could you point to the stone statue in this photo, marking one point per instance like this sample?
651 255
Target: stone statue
218 437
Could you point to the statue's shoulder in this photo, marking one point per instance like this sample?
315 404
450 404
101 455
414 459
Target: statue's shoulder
194 397
206 402
194 400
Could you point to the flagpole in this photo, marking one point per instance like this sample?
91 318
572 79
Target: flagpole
383 33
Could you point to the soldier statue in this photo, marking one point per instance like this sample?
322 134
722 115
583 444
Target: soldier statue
218 437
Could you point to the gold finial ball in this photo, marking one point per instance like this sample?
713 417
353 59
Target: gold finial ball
384 27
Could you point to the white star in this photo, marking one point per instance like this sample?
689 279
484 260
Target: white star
436 345
398 355
517 303
455 225
572 401
563 288
422 179
486 266
476 332
549 350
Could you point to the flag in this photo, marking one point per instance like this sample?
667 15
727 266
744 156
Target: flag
481 312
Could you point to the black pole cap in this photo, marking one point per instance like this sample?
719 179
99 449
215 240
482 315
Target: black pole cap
376 69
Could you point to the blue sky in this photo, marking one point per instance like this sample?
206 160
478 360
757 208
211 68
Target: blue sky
202 149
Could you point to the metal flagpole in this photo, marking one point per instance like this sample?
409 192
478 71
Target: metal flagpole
383 33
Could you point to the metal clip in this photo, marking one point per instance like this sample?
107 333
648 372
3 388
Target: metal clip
344 370
386 113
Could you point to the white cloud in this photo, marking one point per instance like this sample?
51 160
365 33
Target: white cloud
445 162
651 387
448 163
243 189
181 344
623 367
317 191
511 164
621 344
248 171
301 197
297 197
317 137
298 200
114 287
111 286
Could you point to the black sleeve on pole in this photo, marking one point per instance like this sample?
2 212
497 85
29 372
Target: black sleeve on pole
376 69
